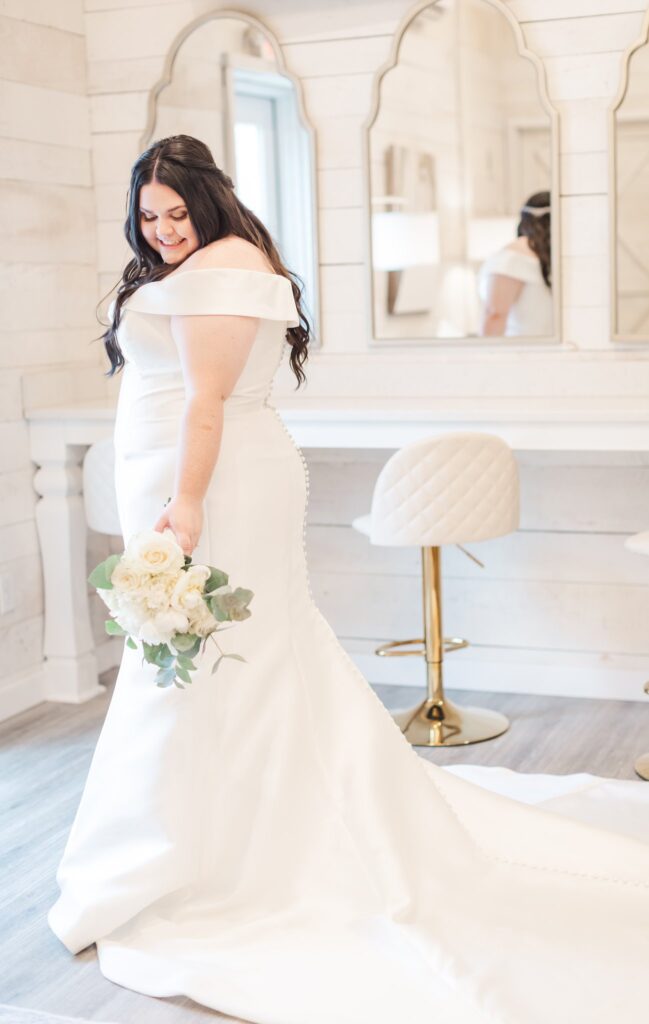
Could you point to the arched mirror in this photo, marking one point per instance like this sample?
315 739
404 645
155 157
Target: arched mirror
462 161
630 197
225 82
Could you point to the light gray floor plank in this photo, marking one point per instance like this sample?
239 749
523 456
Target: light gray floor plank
44 758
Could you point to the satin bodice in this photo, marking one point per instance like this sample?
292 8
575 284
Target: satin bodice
152 391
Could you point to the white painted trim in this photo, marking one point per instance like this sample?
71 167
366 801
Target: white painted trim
510 670
21 691
24 690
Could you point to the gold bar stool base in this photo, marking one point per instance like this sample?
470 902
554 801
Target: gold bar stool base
443 724
436 721
642 767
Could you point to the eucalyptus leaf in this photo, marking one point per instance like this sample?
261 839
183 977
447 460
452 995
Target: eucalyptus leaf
113 628
216 578
163 659
185 642
237 657
165 676
130 642
151 650
232 606
216 664
100 575
214 605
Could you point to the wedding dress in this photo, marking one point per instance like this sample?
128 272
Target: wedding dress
265 841
531 315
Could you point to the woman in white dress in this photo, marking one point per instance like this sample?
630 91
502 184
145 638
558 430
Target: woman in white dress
266 841
514 284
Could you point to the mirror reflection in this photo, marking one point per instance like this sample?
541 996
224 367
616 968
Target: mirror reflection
225 85
631 198
461 164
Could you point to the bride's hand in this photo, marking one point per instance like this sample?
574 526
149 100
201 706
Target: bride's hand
185 517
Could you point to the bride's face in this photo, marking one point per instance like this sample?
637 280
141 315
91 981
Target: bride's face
165 223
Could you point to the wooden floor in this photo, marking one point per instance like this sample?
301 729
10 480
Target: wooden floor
44 757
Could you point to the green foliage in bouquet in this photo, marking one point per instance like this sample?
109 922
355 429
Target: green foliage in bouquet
173 659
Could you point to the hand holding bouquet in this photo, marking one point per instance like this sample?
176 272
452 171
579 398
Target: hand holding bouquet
158 596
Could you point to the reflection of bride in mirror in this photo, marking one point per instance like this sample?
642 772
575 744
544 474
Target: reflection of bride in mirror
515 283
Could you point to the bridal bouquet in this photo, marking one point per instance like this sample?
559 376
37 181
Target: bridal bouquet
156 595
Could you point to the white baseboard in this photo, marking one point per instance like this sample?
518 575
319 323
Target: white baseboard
510 670
25 690
499 670
21 691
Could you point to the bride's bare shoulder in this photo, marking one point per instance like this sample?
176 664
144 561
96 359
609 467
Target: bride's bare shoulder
233 251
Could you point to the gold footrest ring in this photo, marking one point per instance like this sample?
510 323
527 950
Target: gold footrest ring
391 650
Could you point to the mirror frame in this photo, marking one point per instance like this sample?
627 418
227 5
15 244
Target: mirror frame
642 40
165 79
551 341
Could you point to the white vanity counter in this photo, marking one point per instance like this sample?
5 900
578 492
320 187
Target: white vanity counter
527 424
61 434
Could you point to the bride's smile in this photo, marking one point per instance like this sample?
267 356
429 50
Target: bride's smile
165 222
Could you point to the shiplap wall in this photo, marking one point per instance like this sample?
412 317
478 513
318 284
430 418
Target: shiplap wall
560 607
48 285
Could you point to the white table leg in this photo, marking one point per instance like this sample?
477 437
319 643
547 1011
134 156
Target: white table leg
70 670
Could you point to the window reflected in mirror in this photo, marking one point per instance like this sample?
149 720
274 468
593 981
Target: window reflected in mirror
462 168
630 196
224 84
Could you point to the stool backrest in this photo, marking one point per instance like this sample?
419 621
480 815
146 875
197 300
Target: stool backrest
99 497
446 489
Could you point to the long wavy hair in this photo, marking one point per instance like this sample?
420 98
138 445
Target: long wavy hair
186 165
536 227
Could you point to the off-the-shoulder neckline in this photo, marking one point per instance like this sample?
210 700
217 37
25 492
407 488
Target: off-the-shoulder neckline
519 252
210 270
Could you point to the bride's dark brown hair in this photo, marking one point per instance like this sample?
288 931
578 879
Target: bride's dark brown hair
538 231
186 165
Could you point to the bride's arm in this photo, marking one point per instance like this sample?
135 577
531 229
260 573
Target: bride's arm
502 293
212 351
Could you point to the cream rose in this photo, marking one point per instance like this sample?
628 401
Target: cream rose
157 595
188 591
154 552
129 579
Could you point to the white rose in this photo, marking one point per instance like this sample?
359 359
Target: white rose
130 614
154 552
126 577
158 593
160 628
188 591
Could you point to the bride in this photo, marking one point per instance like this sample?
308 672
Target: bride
265 841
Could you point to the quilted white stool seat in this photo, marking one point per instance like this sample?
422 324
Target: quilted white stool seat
99 496
640 542
447 489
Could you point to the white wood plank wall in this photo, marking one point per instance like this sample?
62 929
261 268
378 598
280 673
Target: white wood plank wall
48 284
561 607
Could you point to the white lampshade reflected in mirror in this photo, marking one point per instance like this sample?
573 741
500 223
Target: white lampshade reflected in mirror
401 240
